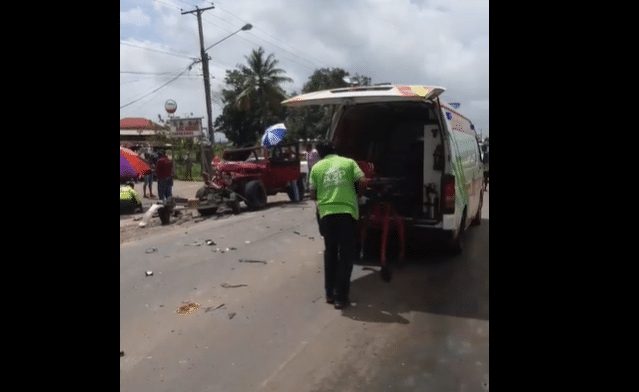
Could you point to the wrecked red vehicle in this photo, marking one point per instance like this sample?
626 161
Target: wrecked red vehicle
251 175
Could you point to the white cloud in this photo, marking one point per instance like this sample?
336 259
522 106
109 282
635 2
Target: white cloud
439 42
135 17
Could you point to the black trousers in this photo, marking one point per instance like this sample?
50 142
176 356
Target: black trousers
340 234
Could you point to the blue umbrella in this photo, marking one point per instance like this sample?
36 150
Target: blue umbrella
273 135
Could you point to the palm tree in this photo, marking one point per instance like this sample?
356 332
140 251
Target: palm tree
261 88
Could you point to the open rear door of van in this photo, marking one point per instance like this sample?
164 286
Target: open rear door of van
365 94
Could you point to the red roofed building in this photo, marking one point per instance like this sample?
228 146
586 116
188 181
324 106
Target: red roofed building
138 131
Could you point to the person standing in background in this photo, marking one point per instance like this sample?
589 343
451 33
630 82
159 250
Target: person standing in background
164 170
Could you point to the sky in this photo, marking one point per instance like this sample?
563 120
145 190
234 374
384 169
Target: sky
428 42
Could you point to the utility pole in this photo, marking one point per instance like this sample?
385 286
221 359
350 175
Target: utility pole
206 160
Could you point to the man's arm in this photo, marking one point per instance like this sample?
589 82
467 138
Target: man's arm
360 179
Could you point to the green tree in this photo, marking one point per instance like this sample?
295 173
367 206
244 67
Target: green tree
252 99
313 121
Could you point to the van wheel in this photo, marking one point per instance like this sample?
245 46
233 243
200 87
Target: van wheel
477 219
455 246
301 187
255 195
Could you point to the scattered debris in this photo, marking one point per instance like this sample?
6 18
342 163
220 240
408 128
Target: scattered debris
311 238
210 242
247 242
252 261
188 308
232 248
232 286
137 218
210 308
151 250
231 315
216 250
227 249
121 353
149 273
194 243
297 232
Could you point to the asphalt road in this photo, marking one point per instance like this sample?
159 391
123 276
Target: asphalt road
264 326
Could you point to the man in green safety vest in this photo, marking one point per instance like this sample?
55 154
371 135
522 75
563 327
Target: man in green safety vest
130 201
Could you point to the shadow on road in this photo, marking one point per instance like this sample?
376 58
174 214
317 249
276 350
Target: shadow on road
427 281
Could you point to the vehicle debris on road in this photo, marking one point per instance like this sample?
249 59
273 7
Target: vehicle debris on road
252 261
231 315
232 286
194 243
210 308
151 250
149 273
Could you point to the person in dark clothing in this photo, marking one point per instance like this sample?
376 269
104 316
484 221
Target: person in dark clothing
164 170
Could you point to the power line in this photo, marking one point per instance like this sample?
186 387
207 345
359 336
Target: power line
313 63
156 50
312 68
156 89
146 73
258 44
271 35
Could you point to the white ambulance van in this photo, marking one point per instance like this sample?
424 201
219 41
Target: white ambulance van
418 153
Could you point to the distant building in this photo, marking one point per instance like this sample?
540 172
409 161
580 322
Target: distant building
136 131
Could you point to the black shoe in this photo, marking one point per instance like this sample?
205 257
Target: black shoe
341 304
330 300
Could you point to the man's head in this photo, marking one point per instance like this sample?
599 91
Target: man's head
325 148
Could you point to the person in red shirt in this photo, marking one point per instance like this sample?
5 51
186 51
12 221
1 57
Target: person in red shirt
164 171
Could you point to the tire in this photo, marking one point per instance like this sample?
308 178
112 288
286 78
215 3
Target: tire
300 191
255 195
165 215
455 246
301 187
202 192
477 219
